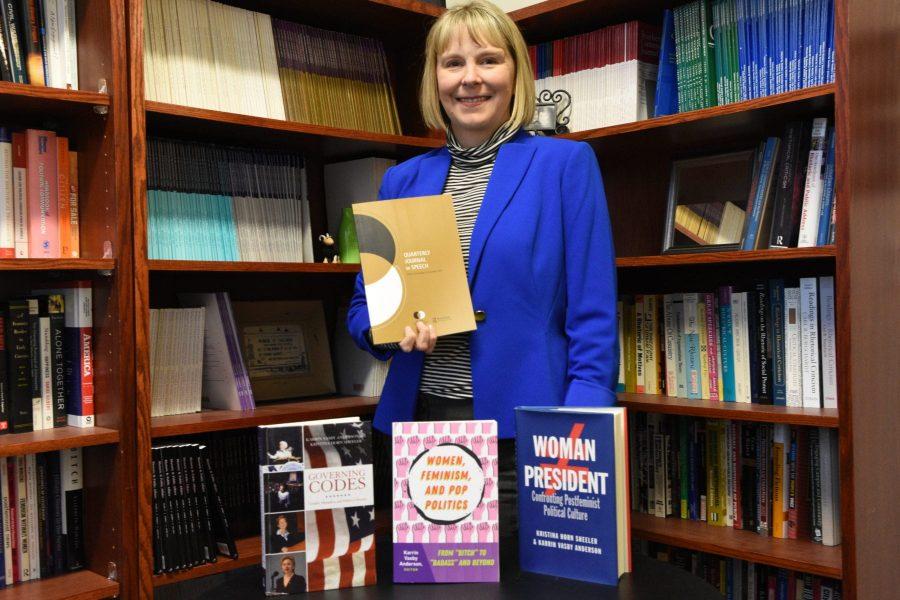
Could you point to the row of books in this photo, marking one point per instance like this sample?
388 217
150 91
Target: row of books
38 195
777 480
42 515
716 53
792 198
223 355
213 202
788 183
190 526
609 73
46 359
745 580
209 55
771 344
38 43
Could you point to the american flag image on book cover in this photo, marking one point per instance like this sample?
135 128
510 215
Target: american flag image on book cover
318 513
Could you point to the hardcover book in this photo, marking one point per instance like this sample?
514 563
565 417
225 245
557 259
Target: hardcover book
573 492
317 505
412 266
446 522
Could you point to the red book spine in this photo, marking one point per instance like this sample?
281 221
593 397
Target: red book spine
43 193
62 195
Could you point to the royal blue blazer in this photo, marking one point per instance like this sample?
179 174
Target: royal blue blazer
541 267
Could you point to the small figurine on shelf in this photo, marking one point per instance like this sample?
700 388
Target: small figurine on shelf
328 248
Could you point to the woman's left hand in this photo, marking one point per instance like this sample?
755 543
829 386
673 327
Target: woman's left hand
423 339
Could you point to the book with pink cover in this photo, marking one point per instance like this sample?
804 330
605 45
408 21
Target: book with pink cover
446 524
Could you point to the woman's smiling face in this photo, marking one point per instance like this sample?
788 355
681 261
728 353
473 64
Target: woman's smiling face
475 85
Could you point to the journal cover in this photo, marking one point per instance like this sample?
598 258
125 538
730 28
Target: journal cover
412 266
573 493
446 525
317 506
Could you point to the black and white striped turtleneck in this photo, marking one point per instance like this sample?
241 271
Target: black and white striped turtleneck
447 372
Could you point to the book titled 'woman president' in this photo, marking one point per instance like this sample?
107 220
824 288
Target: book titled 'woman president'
573 492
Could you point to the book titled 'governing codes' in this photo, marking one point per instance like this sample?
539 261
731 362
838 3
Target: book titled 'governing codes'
573 493
446 525
317 505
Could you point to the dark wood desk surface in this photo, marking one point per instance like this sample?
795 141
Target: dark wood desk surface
650 580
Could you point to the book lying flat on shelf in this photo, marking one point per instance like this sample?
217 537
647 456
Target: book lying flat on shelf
446 506
413 266
317 505
573 492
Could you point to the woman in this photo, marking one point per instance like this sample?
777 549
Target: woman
282 540
290 582
536 239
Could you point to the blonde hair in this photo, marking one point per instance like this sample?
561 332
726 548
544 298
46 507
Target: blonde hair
487 24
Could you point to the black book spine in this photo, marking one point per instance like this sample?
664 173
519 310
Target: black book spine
174 510
56 512
73 494
4 375
18 348
753 344
202 499
764 342
13 37
158 557
224 539
815 483
5 66
56 310
195 537
782 211
31 42
34 353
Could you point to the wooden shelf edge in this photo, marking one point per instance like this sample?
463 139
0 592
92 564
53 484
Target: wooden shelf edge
78 585
24 90
249 553
820 91
266 414
322 131
58 438
797 555
724 257
251 267
814 417
413 6
57 264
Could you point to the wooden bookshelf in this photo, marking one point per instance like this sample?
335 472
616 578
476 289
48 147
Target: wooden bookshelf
635 159
252 267
57 264
249 553
96 125
331 143
739 118
79 585
812 417
58 438
823 253
799 555
22 99
267 414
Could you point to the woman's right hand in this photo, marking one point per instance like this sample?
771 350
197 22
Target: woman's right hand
423 339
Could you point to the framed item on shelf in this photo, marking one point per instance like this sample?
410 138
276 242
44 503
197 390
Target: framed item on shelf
707 202
285 347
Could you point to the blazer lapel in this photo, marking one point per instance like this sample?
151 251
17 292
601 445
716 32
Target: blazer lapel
432 175
509 169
